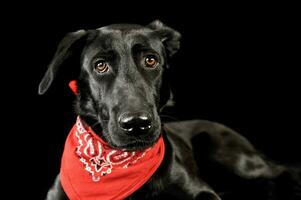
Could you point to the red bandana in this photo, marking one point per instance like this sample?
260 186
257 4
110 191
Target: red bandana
92 170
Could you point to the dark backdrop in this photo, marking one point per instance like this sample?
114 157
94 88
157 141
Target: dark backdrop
237 65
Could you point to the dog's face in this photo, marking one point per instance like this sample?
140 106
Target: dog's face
120 80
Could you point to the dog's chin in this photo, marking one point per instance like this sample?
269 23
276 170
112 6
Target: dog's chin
135 144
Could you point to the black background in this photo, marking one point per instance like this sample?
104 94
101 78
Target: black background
238 65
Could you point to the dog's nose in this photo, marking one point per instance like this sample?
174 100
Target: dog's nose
135 122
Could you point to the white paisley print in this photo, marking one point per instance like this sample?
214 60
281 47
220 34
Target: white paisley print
98 158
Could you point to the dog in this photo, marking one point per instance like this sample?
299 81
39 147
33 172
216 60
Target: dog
120 91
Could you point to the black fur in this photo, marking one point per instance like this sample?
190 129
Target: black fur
200 155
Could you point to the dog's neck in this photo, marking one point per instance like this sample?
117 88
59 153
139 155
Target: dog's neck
90 121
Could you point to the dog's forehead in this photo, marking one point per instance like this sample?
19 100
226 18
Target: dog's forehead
120 36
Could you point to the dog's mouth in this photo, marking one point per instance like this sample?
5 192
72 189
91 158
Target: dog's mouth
130 143
136 144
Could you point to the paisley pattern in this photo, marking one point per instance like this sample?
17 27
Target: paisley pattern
98 158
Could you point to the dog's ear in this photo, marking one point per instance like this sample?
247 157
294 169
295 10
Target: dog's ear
169 37
64 50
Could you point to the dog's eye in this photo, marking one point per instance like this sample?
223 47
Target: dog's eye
101 66
151 61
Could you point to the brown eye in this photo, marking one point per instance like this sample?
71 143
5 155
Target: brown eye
101 66
151 61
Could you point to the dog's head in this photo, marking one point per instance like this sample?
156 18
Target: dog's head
120 82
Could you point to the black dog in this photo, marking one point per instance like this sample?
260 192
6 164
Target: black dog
122 87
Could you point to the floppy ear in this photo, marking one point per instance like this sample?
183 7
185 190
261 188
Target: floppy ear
63 52
169 37
171 41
